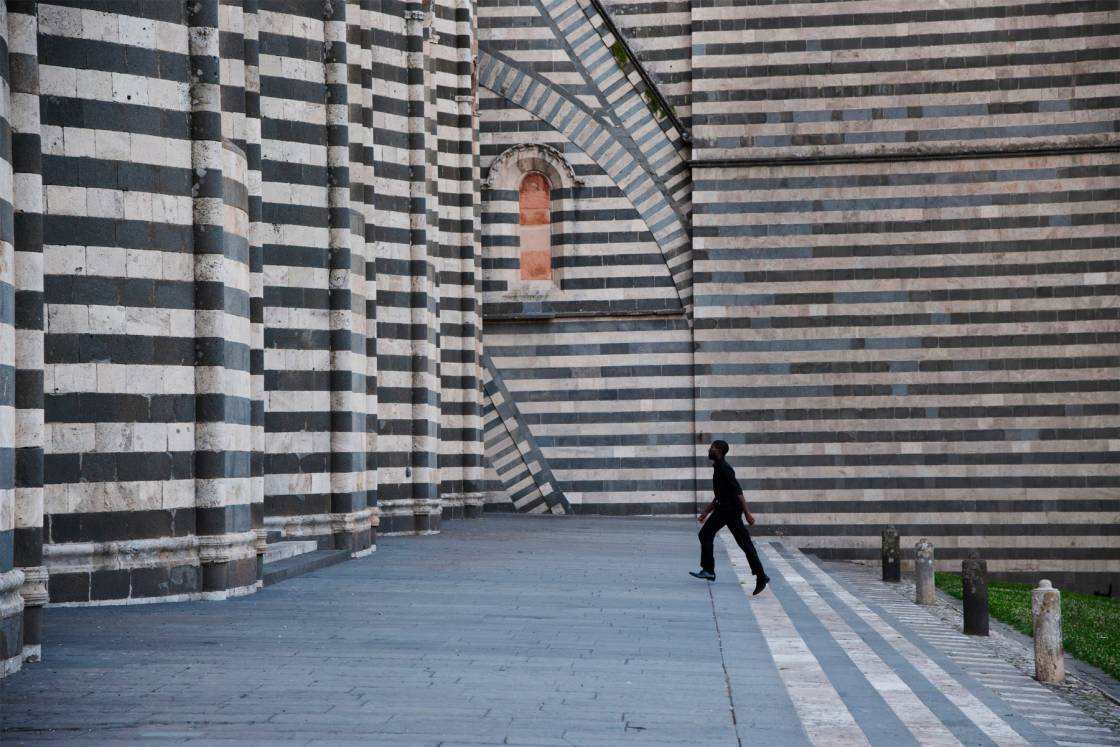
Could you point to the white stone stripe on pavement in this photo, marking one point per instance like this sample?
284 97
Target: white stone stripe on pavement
920 720
1031 701
957 693
827 721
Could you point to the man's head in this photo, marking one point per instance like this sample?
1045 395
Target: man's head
718 450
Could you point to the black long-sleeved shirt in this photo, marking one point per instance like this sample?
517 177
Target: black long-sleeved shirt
725 486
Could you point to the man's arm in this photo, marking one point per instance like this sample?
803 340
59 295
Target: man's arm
704 514
746 511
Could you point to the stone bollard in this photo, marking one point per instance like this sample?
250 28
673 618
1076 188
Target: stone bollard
924 592
892 556
974 579
1046 612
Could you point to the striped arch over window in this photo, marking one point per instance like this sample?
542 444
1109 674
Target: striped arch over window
535 229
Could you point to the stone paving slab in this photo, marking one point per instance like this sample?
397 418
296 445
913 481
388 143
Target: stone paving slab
534 631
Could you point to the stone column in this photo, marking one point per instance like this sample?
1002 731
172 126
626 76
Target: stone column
27 201
363 199
891 555
223 515
470 265
925 592
1046 615
251 42
421 513
349 514
11 578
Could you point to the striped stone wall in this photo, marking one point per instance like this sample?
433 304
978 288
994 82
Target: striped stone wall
900 303
560 95
260 273
905 236
238 291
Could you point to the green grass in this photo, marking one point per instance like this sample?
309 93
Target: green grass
1090 625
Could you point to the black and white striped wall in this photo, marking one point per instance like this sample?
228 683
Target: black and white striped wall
898 295
238 291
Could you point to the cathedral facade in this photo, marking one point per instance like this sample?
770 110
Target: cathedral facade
321 270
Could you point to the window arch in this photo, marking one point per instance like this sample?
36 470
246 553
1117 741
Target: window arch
529 200
535 227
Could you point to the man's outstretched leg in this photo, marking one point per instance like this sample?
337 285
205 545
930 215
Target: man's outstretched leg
707 536
743 539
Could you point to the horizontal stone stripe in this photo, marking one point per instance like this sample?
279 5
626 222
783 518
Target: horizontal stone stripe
902 412
999 133
1040 339
139 119
117 525
939 15
130 234
540 309
733 394
145 293
949 247
901 202
143 349
895 90
224 519
273 42
948 37
832 112
297 504
98 54
798 368
919 175
94 407
105 173
912 64
7 468
1033 292
705 230
61 469
127 583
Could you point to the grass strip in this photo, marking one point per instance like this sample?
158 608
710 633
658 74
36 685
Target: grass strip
1090 624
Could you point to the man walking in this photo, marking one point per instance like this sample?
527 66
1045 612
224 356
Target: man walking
726 509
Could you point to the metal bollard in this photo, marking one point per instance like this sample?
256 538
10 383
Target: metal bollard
974 579
923 573
892 556
1049 655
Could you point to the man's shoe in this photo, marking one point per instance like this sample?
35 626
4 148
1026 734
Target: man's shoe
760 584
706 575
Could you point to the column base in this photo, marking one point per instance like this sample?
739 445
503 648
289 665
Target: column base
229 564
11 665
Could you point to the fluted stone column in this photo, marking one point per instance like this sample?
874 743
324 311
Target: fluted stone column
223 514
251 44
27 202
11 578
349 513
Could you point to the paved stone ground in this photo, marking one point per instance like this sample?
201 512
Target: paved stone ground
536 631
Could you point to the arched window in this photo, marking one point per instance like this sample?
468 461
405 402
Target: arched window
535 231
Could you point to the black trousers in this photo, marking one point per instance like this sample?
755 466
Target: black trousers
733 520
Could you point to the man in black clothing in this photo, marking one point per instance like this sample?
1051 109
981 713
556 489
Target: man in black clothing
726 509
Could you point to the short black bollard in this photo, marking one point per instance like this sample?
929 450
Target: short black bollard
892 555
974 579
